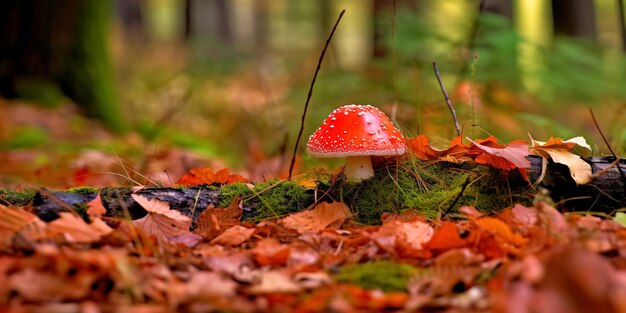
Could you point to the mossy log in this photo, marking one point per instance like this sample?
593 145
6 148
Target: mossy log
605 193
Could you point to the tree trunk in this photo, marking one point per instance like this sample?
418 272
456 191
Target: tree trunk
574 18
48 47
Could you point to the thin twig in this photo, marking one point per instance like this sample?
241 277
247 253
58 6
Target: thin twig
310 94
465 184
619 169
445 95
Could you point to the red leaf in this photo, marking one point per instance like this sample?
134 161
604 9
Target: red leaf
508 157
446 237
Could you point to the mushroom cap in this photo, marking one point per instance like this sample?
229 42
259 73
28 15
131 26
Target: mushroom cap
354 130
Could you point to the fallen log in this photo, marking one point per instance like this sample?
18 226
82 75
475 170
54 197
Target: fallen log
605 193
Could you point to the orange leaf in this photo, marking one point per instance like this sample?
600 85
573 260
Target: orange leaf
214 221
321 216
95 209
500 230
422 149
270 252
161 222
446 237
18 223
204 175
404 238
74 229
233 236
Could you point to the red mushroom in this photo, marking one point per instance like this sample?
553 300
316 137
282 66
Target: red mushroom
356 132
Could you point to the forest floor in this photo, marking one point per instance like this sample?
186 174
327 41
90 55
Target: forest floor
520 258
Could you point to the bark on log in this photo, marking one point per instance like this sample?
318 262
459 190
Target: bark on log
605 193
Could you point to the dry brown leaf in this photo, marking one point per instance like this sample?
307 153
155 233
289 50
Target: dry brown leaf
270 251
558 150
45 286
233 236
161 222
95 209
213 221
405 238
74 229
201 286
321 216
18 223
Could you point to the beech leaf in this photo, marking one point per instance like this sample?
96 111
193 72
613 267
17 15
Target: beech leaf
75 229
161 222
318 218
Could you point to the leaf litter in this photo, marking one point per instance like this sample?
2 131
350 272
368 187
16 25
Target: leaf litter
522 259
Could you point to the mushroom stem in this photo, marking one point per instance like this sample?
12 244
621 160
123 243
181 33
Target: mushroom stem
358 168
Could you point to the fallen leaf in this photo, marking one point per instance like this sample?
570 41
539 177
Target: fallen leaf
404 238
204 175
95 209
37 286
321 216
508 157
233 236
270 252
558 150
274 282
446 237
213 221
203 285
74 229
20 224
501 231
421 147
189 240
161 222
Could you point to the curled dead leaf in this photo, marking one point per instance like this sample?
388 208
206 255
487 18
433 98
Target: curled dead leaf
321 216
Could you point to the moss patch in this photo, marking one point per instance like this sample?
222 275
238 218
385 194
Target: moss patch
16 198
268 199
431 188
383 275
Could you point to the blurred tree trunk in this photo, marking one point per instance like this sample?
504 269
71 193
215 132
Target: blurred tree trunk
500 7
574 18
622 22
46 45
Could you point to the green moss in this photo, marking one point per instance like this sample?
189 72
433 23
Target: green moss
430 188
16 198
230 191
268 199
383 275
84 190
278 198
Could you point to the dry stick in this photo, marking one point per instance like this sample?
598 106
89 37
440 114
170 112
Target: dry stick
445 95
593 117
310 94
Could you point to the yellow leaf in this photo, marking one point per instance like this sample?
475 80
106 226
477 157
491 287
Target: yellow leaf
558 151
